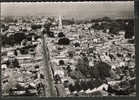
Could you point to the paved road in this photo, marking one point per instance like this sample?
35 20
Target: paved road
56 89
50 89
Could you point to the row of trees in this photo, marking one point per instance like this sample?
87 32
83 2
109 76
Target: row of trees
115 26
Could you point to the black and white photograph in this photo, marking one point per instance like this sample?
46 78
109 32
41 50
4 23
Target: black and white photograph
67 49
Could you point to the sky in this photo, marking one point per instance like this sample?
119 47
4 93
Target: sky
70 10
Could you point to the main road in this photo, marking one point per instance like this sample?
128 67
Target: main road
50 90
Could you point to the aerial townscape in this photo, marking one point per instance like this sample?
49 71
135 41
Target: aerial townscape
56 57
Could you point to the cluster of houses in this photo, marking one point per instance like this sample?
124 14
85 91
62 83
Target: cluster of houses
87 59
89 49
21 64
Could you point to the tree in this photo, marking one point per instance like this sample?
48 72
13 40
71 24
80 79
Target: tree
18 37
61 62
108 19
129 30
76 74
115 27
77 86
83 66
60 34
50 34
77 44
84 85
64 41
101 70
71 53
10 19
34 27
13 64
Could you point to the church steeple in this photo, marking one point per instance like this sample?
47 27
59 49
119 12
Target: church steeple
60 23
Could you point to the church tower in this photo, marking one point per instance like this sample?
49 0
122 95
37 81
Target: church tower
60 23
